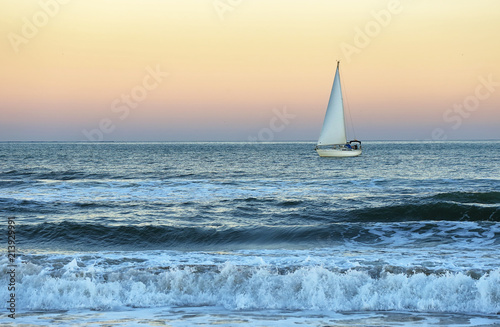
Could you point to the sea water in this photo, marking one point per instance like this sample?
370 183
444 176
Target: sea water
251 234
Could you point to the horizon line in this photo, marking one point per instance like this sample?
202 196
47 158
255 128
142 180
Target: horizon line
242 142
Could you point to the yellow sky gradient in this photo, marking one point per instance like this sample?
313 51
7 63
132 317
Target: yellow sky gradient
231 64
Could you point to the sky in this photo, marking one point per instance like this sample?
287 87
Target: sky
247 70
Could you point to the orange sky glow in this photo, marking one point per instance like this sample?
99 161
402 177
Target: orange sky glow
225 70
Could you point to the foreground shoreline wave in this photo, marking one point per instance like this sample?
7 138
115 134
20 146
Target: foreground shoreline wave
118 281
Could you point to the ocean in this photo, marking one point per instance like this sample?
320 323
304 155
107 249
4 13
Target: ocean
250 234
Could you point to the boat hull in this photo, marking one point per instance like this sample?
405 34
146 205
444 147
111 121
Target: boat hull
338 152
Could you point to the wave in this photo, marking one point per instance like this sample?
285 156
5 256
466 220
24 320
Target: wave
16 207
156 236
78 236
426 211
454 206
469 197
112 175
62 175
442 207
79 286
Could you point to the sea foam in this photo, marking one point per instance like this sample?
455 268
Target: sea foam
233 286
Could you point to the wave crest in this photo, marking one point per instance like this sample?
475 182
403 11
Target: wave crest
240 287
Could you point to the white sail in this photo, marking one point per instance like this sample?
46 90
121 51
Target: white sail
333 131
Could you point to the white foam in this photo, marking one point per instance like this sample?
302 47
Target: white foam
244 282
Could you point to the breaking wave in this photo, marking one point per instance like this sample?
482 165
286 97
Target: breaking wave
77 286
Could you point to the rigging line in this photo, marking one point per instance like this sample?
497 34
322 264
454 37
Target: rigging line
348 108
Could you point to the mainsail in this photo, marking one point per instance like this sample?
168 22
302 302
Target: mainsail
333 131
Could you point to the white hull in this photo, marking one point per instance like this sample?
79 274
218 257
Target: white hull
338 152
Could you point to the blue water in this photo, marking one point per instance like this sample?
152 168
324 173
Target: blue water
186 233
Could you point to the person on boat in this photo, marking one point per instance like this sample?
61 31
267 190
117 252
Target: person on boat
348 145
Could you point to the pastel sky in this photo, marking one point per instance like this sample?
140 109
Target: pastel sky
239 70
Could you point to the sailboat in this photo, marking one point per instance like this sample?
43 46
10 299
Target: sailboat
332 141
